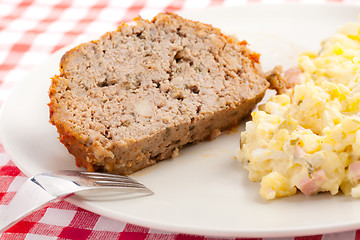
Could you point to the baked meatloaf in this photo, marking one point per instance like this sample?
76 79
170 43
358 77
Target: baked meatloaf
138 94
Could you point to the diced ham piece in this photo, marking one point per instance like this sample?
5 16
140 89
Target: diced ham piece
354 171
299 152
292 76
280 80
311 185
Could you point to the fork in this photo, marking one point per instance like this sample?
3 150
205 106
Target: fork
41 189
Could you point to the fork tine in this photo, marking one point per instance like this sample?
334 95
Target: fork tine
115 183
136 187
107 176
100 174
111 179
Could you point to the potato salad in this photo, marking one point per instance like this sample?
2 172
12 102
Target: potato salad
308 138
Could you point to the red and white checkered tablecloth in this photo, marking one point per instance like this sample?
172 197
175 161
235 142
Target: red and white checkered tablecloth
31 30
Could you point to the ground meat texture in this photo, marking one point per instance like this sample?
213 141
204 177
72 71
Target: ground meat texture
139 94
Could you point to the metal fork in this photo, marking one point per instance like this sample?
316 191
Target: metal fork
44 188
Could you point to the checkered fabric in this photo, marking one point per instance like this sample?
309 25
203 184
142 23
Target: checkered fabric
31 30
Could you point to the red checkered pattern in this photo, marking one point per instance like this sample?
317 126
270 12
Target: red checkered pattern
31 30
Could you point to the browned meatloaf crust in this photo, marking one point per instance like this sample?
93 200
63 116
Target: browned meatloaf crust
138 94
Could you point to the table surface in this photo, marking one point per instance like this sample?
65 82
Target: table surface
31 30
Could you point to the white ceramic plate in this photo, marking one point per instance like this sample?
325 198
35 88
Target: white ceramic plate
204 190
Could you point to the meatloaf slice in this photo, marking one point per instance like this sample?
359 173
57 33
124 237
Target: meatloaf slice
138 94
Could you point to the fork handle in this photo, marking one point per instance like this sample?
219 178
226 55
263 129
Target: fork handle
28 199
